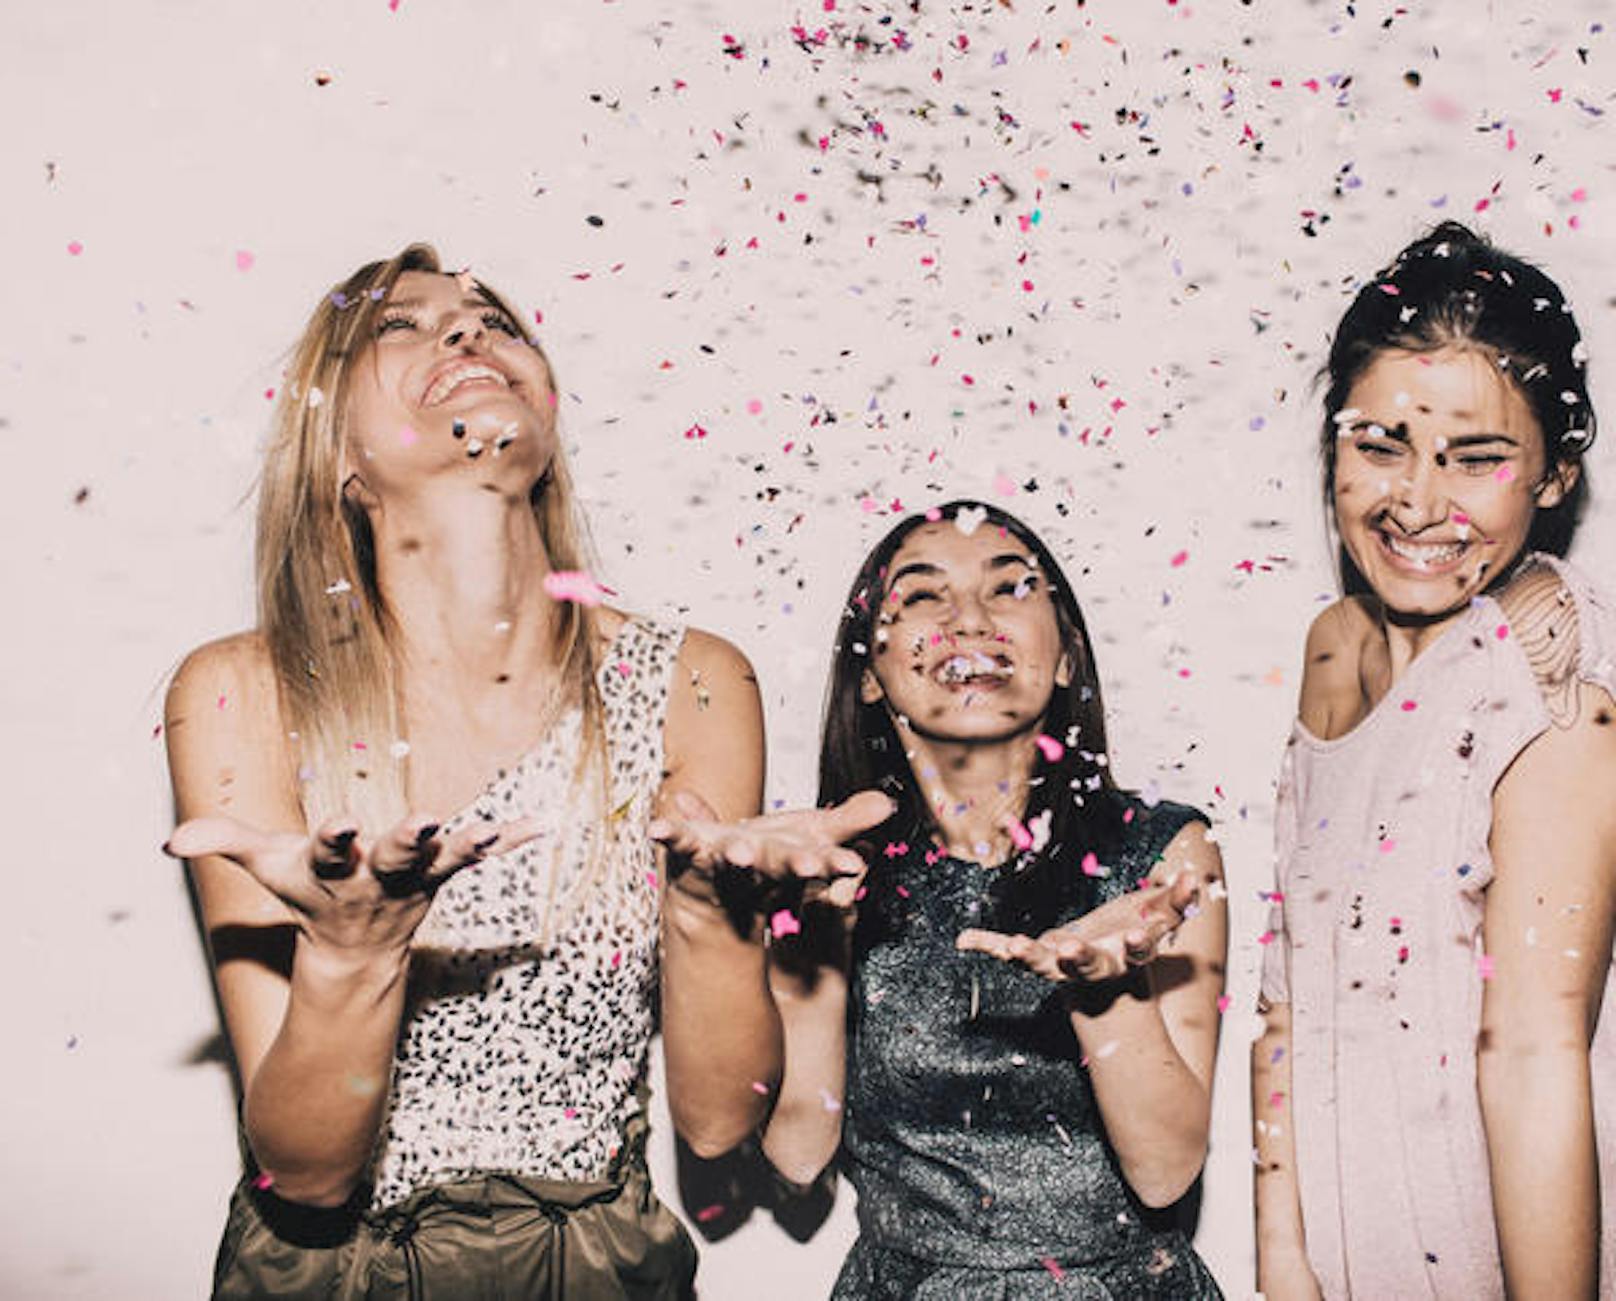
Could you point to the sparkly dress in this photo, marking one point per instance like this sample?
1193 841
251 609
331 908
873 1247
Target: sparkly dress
1375 942
971 1131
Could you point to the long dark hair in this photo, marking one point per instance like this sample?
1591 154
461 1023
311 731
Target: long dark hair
860 749
1452 288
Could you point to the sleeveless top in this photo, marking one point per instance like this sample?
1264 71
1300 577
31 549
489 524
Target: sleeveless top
533 977
971 1131
1375 941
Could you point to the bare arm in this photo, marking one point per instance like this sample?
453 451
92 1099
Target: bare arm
309 935
1550 918
1144 1007
720 1030
1282 1267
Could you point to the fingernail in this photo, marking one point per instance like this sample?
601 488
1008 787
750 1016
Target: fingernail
343 839
426 833
484 843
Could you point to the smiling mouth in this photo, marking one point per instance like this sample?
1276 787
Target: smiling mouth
973 669
442 388
1424 555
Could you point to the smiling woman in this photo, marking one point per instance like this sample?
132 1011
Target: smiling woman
1433 1094
415 808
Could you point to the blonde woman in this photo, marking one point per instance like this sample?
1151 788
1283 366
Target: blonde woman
414 802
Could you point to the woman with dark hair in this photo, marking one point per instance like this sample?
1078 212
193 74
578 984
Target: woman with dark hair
414 802
1434 1095
1028 1021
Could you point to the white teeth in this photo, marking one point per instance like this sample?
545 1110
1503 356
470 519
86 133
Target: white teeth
1424 554
968 668
453 378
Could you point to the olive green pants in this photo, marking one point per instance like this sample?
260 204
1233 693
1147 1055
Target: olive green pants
491 1238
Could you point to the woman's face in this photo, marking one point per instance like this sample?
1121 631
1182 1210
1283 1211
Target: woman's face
448 381
967 645
1439 469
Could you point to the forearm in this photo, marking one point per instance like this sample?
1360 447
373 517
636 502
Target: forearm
805 1128
721 1031
1283 1270
1157 1111
315 1102
1538 1111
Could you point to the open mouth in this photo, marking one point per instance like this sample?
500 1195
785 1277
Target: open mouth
973 669
1424 556
462 373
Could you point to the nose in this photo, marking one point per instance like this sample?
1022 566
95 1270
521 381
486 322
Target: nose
1421 498
969 616
462 327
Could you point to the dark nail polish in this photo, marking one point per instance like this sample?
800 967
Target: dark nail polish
426 833
458 429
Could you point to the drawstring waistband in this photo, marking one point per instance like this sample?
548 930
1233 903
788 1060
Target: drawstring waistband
398 1225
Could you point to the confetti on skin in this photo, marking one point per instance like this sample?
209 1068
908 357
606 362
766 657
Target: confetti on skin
407 437
577 586
760 1088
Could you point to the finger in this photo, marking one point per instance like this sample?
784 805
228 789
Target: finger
855 814
409 845
223 836
333 850
975 940
1139 947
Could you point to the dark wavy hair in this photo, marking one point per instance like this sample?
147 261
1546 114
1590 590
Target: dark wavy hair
1451 288
860 749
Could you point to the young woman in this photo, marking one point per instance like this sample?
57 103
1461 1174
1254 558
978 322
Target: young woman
414 803
1028 1080
1434 1073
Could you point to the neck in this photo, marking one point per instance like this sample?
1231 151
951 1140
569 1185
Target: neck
974 790
462 568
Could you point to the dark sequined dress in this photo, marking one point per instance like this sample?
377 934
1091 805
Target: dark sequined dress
971 1131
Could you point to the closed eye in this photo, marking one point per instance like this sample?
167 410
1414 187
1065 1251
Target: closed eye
392 321
916 595
499 321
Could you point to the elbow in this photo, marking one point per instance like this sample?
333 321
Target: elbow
712 1136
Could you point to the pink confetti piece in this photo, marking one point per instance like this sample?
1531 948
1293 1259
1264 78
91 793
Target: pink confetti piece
1389 845
74 248
407 437
244 260
707 1214
1266 938
1484 965
1409 706
695 432
1178 559
1049 1262
575 585
1502 632
783 923
1091 866
760 1088
1223 1003
1019 835
1051 749
263 1181
652 880
1004 485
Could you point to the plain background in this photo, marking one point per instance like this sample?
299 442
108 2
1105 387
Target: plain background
1078 259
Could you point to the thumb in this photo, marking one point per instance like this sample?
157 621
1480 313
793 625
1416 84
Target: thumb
691 807
857 813
217 835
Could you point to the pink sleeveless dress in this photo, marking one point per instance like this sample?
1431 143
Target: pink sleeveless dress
1375 941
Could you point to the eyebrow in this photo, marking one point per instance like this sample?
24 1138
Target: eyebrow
1399 433
1001 561
471 300
1012 558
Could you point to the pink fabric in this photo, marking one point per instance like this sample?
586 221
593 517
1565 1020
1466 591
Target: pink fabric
1383 870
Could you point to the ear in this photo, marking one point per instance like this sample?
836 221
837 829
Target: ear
1557 484
870 691
1063 670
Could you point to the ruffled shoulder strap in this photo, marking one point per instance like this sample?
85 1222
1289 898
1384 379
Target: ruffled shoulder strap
1565 629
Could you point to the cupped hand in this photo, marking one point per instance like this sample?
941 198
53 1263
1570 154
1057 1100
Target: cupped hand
346 892
1102 944
804 844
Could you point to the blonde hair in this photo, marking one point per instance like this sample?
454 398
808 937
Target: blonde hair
331 637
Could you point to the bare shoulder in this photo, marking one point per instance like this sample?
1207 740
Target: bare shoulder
228 751
1194 847
1330 662
714 732
233 677
707 652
